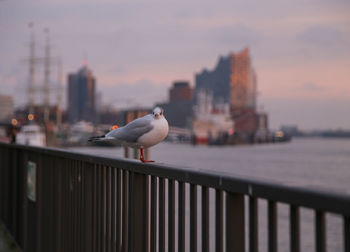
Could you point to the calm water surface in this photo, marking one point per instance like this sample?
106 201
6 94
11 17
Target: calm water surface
317 163
311 162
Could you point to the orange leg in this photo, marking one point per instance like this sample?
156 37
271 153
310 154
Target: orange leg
142 157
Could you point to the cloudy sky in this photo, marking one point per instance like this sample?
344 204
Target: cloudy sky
136 49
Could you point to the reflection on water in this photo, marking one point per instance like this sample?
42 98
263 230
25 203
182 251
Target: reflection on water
316 163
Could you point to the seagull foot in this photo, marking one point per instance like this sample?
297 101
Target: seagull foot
142 157
146 161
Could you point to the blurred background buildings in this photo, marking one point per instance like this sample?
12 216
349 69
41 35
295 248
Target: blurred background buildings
219 108
81 96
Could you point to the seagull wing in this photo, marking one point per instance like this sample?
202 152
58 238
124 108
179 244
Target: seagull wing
133 130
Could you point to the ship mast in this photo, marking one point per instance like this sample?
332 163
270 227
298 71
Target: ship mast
31 69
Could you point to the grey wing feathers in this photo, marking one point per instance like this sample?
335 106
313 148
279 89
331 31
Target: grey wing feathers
132 131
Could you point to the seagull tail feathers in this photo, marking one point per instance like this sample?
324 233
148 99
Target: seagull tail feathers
96 138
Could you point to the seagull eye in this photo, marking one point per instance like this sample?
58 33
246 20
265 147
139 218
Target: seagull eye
161 113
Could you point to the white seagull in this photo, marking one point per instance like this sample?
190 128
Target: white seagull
141 133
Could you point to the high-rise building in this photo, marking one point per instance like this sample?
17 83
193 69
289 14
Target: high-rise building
178 110
81 96
180 91
232 81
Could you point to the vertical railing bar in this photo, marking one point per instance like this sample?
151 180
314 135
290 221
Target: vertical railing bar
65 235
272 226
320 229
81 212
95 202
147 215
60 213
103 206
219 221
131 241
193 218
72 206
119 210
108 210
86 208
182 215
69 205
125 218
89 189
113 209
161 215
205 219
253 224
294 228
14 193
101 201
171 216
75 206
78 205
235 228
153 214
346 231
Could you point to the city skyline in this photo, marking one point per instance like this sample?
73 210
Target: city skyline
300 51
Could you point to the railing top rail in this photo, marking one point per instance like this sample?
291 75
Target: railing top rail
300 196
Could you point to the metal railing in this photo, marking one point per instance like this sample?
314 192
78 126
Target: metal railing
55 200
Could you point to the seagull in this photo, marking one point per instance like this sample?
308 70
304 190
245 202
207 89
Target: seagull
141 133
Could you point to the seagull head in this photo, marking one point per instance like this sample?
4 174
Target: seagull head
158 113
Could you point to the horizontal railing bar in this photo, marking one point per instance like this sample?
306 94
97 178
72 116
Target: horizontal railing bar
319 200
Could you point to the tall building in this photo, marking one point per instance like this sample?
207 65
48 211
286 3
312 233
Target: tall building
178 111
81 96
233 81
180 91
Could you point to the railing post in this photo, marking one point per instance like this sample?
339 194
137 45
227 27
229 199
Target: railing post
235 231
140 198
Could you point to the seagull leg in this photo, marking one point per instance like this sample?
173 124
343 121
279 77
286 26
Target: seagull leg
142 158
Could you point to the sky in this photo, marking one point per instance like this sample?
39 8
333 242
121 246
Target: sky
137 49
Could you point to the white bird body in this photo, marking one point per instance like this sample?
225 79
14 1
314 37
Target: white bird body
155 136
141 133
